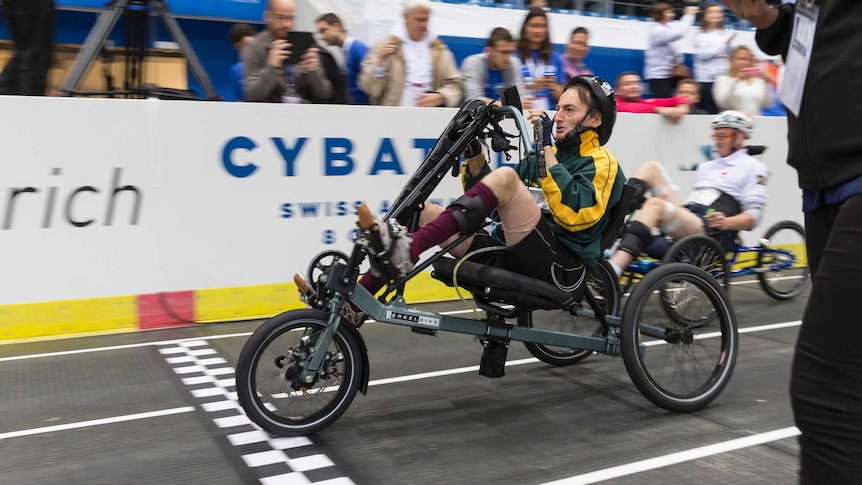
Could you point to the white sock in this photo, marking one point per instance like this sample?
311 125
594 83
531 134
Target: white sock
616 267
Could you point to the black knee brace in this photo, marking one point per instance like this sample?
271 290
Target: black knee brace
639 194
469 213
636 238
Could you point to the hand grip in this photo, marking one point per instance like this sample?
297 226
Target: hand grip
538 135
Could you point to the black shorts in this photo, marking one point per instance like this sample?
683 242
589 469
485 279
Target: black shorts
727 239
539 255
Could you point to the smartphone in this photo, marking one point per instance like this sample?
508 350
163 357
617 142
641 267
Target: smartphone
752 71
301 42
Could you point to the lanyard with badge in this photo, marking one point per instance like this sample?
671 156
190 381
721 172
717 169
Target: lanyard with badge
799 55
290 96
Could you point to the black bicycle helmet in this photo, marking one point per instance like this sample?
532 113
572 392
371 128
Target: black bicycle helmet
604 95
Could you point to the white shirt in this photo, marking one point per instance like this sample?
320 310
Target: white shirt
418 64
738 175
660 56
742 95
711 53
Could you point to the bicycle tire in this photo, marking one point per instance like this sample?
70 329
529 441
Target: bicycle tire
266 375
605 287
788 237
687 367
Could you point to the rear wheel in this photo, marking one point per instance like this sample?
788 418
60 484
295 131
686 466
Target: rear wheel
270 365
678 366
784 261
605 288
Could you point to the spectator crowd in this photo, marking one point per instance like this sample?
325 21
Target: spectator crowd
413 66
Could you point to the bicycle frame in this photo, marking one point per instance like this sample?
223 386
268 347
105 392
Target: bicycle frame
396 312
342 280
641 266
328 351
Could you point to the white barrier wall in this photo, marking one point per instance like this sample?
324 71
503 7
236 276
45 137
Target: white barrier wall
114 197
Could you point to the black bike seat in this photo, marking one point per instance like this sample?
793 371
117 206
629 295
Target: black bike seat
499 285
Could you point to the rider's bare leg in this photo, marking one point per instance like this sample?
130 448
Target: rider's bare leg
519 215
658 180
675 221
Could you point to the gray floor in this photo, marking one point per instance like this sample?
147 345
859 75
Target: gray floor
538 424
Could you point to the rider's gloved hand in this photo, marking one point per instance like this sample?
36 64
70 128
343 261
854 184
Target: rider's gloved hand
473 149
547 129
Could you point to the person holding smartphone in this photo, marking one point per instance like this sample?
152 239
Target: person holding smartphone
542 65
276 70
745 87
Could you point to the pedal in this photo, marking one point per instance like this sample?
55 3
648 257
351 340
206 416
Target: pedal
424 331
302 286
369 227
366 217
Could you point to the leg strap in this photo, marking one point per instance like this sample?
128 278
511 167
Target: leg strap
639 194
636 238
469 213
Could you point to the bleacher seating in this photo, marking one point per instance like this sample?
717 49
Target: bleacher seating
624 10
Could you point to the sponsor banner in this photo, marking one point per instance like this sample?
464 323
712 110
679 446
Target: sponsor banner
105 198
78 210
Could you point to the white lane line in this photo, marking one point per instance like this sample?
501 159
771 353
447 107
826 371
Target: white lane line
123 347
195 340
96 422
674 458
185 341
447 372
772 326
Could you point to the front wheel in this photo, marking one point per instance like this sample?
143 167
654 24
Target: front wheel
676 365
703 252
783 261
604 286
268 373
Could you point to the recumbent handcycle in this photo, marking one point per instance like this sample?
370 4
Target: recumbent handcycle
301 369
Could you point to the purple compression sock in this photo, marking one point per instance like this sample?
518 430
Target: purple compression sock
436 232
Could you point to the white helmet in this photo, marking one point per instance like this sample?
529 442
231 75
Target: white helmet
734 119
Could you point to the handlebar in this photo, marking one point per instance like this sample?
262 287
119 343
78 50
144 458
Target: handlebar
501 111
471 122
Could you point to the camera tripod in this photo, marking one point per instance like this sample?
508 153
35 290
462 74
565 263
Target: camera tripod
107 20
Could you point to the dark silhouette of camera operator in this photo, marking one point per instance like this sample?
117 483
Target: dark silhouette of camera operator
31 23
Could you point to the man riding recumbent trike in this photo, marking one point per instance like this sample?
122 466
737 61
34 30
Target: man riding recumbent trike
547 287
729 196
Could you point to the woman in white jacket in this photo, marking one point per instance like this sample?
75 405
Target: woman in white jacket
746 85
711 49
661 56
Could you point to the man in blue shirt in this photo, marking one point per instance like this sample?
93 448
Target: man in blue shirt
331 31
496 67
238 36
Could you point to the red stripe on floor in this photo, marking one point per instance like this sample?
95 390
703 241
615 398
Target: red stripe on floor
167 309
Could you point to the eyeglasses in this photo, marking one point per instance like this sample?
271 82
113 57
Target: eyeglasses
721 136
